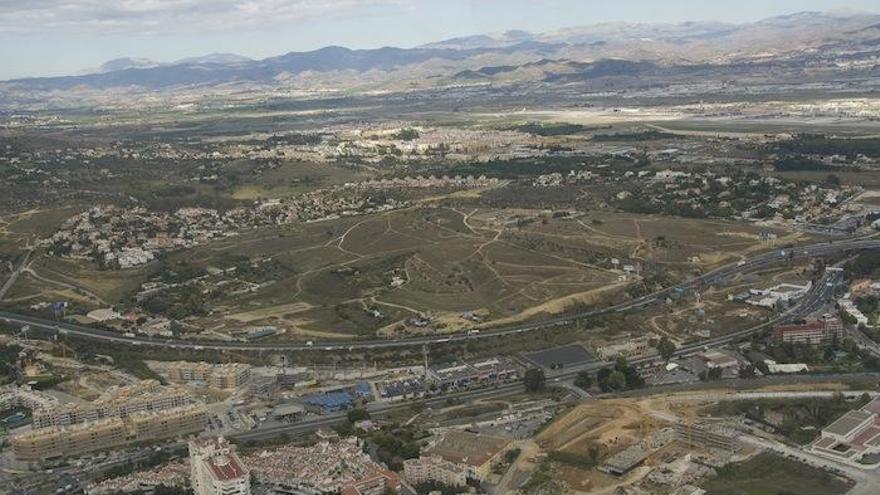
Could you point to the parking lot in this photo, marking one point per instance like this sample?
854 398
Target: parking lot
560 357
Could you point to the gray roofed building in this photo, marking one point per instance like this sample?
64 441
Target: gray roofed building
850 424
625 460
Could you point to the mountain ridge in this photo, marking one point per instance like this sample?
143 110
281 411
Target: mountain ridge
473 57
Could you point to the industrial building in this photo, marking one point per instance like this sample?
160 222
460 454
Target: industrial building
339 399
466 375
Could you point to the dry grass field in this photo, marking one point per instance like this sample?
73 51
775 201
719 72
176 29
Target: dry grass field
367 275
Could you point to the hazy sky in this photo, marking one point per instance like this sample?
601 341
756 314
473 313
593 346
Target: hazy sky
49 37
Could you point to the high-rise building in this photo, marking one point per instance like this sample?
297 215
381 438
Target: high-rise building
216 468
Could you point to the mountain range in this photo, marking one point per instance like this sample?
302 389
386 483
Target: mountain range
594 51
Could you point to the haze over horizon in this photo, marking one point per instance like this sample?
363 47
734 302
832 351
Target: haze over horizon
89 33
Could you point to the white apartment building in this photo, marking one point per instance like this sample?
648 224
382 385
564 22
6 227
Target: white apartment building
216 468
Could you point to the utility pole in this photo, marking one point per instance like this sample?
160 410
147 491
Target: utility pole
425 355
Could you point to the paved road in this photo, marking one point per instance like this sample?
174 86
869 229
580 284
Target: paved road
807 303
814 299
755 263
863 341
728 395
14 275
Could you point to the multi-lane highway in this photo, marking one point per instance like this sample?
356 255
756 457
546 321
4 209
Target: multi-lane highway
755 263
819 294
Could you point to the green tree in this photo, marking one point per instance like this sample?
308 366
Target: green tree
666 348
617 380
357 414
583 380
535 380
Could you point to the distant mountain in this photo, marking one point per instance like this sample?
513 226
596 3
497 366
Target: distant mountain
214 58
208 70
507 38
572 54
126 63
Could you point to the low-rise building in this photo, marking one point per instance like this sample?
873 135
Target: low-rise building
220 376
625 460
332 466
853 435
819 331
23 396
146 395
108 433
720 360
434 469
478 453
464 375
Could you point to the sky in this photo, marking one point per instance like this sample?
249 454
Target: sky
62 37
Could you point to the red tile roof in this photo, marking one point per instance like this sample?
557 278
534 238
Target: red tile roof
225 468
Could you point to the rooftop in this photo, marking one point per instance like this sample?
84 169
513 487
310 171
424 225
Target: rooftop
469 448
226 467
849 422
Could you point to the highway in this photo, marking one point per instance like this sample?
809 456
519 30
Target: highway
818 295
755 263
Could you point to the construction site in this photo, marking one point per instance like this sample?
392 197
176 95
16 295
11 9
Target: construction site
658 445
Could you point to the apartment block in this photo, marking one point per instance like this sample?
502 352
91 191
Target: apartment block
221 376
108 433
818 331
147 395
434 468
216 468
